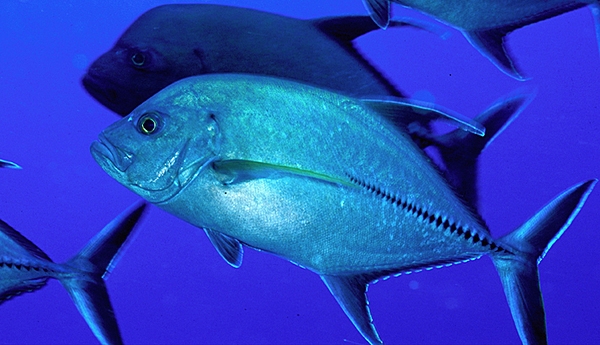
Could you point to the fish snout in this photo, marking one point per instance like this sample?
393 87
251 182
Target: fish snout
105 152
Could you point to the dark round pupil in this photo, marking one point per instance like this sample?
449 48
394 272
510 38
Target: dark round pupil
138 59
148 125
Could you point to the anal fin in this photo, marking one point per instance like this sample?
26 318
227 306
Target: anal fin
229 248
351 293
379 10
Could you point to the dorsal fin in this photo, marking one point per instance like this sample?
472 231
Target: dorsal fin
345 28
491 43
348 28
403 112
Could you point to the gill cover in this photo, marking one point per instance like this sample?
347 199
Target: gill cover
166 151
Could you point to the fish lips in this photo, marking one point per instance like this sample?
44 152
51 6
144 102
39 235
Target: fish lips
112 159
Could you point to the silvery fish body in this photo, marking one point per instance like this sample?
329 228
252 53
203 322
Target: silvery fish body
338 190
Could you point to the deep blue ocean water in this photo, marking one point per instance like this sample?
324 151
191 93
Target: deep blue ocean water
172 287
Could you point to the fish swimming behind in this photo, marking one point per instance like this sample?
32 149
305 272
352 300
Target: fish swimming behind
171 42
24 267
485 23
339 190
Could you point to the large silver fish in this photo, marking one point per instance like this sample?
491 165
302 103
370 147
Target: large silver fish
24 267
339 190
485 23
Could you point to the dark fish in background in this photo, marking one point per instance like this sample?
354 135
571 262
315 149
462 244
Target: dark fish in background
9 164
171 42
485 23
24 267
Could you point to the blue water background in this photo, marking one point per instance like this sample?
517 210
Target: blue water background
172 287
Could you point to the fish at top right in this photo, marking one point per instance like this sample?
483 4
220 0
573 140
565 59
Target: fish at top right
486 23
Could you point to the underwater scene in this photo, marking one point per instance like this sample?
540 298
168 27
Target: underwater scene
307 151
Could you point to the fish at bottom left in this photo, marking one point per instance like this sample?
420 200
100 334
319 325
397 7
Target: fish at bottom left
24 267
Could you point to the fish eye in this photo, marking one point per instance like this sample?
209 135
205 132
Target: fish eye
149 123
138 59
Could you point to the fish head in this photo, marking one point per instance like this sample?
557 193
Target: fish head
152 53
160 148
124 77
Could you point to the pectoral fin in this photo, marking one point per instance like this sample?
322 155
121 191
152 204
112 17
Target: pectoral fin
229 248
403 112
350 293
237 171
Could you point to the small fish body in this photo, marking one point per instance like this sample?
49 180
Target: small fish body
24 267
171 42
485 23
340 190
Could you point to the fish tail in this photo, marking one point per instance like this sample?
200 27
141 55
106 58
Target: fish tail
92 264
530 242
595 7
460 150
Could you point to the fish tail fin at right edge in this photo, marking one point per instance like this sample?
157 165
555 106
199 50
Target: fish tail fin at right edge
595 7
531 241
92 265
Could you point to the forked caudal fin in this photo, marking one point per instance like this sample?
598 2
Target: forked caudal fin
532 240
93 263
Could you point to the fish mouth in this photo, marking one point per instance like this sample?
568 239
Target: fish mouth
110 156
115 161
104 94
